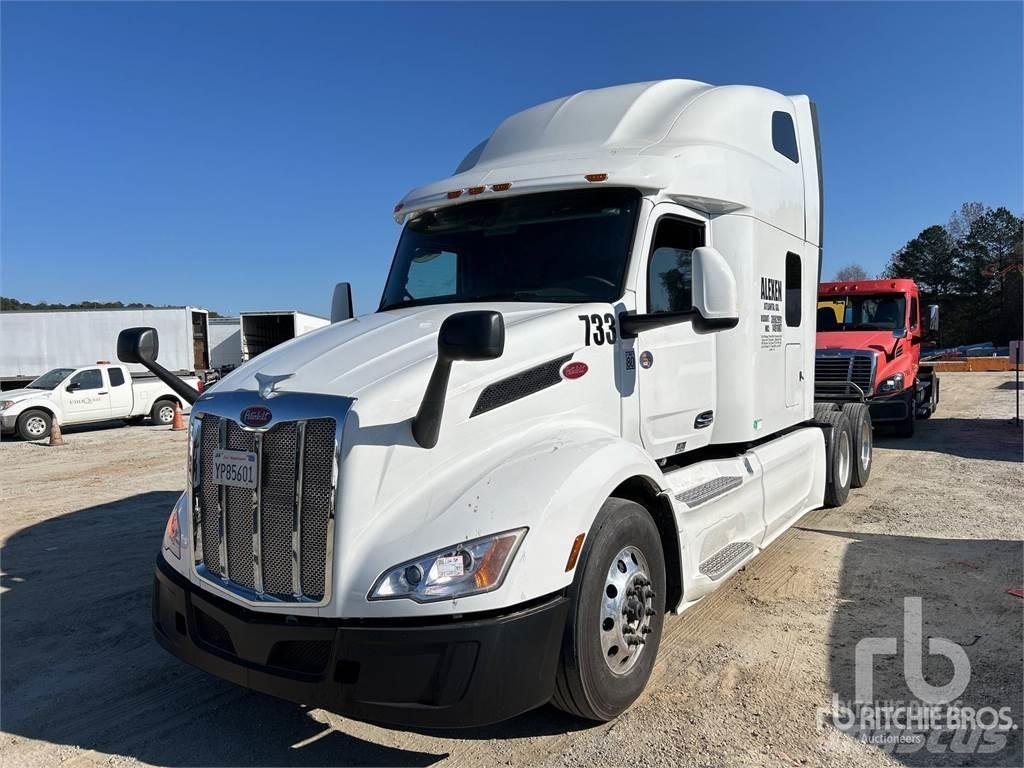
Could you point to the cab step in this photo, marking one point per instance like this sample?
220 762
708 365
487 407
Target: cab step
720 563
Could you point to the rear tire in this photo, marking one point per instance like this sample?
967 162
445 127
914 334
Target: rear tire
863 447
34 425
838 458
618 594
163 412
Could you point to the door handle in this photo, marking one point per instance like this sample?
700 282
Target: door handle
101 393
704 420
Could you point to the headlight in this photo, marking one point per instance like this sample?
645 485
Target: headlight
463 569
5 404
173 537
893 384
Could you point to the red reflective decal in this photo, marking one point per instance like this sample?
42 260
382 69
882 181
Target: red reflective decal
574 370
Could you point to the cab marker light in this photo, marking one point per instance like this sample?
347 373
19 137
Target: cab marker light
454 194
505 186
399 207
574 553
596 177
476 190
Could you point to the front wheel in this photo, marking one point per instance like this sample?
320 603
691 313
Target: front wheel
616 614
34 425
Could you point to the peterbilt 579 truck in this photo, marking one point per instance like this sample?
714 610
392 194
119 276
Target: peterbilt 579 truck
585 400
869 350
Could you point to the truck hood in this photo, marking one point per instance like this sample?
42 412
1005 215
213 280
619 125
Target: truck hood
370 356
18 395
877 341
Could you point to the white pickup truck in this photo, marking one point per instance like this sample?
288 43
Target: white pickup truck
97 392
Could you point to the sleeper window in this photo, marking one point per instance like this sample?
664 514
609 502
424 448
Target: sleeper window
914 321
793 297
784 135
670 267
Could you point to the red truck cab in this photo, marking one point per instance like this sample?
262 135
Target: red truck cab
869 350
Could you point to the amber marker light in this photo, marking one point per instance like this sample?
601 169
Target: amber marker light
593 178
505 186
490 568
574 553
476 190
399 207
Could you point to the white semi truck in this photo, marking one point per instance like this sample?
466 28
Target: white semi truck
585 400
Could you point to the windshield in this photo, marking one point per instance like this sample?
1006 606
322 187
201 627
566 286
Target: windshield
862 313
51 379
558 246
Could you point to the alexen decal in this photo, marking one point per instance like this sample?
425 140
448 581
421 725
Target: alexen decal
771 289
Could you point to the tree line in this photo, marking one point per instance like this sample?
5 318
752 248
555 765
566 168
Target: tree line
8 304
972 268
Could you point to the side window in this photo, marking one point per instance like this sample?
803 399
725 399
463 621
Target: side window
116 377
914 320
784 135
432 273
670 265
87 379
793 296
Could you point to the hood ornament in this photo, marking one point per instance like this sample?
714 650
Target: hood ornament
268 382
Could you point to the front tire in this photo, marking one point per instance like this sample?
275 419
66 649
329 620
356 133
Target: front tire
163 412
34 425
616 614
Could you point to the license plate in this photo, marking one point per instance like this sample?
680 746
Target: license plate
234 468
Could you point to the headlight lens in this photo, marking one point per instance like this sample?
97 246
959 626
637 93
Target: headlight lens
175 525
5 404
892 384
468 568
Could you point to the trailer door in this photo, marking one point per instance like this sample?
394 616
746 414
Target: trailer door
200 342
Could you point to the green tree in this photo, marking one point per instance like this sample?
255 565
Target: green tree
930 260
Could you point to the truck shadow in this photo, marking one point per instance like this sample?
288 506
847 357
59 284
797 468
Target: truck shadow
962 586
989 439
81 667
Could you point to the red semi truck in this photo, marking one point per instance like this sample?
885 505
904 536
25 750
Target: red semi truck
869 350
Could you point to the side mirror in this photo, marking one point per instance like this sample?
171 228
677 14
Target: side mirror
475 335
715 304
141 345
714 288
71 387
341 303
899 333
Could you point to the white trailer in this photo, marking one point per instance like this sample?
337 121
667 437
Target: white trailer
261 331
34 342
585 401
225 343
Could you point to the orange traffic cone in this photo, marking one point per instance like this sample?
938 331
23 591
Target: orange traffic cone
56 438
179 420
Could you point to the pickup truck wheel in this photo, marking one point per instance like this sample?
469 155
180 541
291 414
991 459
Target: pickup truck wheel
163 412
616 614
34 425
838 458
860 428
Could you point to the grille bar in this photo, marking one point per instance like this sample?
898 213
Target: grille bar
257 533
297 514
222 501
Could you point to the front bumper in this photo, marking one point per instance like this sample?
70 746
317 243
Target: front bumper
8 421
456 673
893 407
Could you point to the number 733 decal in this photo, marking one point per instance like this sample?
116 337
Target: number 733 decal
598 329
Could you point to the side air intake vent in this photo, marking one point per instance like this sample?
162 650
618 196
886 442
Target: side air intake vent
519 386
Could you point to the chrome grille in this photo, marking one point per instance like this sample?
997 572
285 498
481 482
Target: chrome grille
841 369
272 541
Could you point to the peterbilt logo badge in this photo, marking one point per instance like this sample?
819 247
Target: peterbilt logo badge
256 416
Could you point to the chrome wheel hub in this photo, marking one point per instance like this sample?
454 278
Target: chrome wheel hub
36 426
865 445
166 413
627 607
844 462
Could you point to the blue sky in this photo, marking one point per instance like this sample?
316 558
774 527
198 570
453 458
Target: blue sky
248 156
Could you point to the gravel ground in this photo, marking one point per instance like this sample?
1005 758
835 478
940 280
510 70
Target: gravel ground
739 679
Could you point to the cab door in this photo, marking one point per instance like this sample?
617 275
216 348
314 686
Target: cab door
675 363
86 397
121 396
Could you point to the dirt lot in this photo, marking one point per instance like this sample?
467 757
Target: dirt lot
740 676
